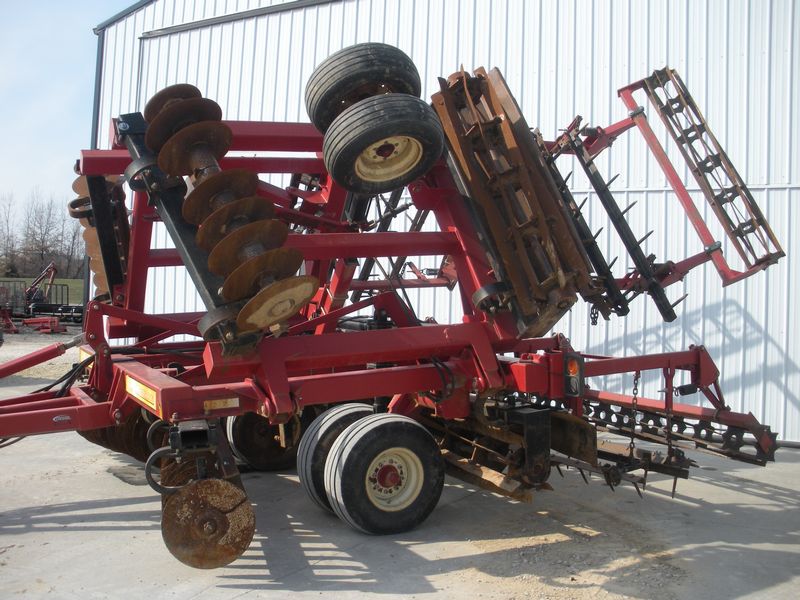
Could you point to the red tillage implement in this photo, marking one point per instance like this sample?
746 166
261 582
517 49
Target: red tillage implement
332 367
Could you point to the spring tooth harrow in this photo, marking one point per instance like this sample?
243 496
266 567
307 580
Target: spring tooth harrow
331 368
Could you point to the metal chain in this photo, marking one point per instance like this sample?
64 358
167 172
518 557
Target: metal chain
631 444
594 313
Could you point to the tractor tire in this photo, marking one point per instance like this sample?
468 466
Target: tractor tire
382 144
315 445
355 73
384 474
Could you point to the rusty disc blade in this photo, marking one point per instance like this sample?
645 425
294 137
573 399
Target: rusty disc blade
89 235
208 523
278 264
277 302
234 183
135 437
167 96
95 260
217 225
177 474
175 157
257 442
225 257
176 117
81 187
100 282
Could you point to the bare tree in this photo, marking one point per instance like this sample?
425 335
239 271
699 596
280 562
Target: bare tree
41 230
72 248
8 237
44 233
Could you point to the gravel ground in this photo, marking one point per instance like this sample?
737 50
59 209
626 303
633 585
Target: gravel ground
78 521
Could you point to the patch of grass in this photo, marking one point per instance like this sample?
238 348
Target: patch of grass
75 287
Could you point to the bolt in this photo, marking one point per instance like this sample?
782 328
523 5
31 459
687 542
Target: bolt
118 416
92 336
209 527
123 126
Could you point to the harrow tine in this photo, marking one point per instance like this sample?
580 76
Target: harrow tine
679 300
638 491
586 481
582 204
674 486
647 235
613 262
630 206
599 231
612 180
558 468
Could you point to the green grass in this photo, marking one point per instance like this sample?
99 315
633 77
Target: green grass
75 289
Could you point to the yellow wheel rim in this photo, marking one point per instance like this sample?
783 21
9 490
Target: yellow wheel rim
388 159
394 479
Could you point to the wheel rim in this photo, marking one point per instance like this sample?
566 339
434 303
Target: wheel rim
389 158
394 479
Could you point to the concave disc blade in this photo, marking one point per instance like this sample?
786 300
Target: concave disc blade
208 523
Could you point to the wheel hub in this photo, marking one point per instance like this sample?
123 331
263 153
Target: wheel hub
388 476
389 158
394 479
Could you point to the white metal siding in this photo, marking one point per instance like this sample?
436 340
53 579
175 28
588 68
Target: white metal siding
739 59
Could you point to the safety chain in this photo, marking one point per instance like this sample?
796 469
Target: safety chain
594 313
634 400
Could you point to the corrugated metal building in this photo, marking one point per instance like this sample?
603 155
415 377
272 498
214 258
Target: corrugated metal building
740 60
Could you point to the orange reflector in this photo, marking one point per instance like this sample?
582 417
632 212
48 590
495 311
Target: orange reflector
573 367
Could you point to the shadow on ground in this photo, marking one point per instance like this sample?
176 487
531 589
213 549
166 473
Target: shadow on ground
577 538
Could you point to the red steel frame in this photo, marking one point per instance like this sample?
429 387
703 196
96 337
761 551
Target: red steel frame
292 371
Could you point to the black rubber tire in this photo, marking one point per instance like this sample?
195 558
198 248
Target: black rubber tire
349 462
369 122
355 73
312 452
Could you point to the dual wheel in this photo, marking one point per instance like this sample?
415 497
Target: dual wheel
379 135
379 473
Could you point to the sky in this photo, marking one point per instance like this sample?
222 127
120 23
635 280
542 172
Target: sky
46 90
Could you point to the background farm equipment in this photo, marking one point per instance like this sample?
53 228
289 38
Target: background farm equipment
41 297
301 353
